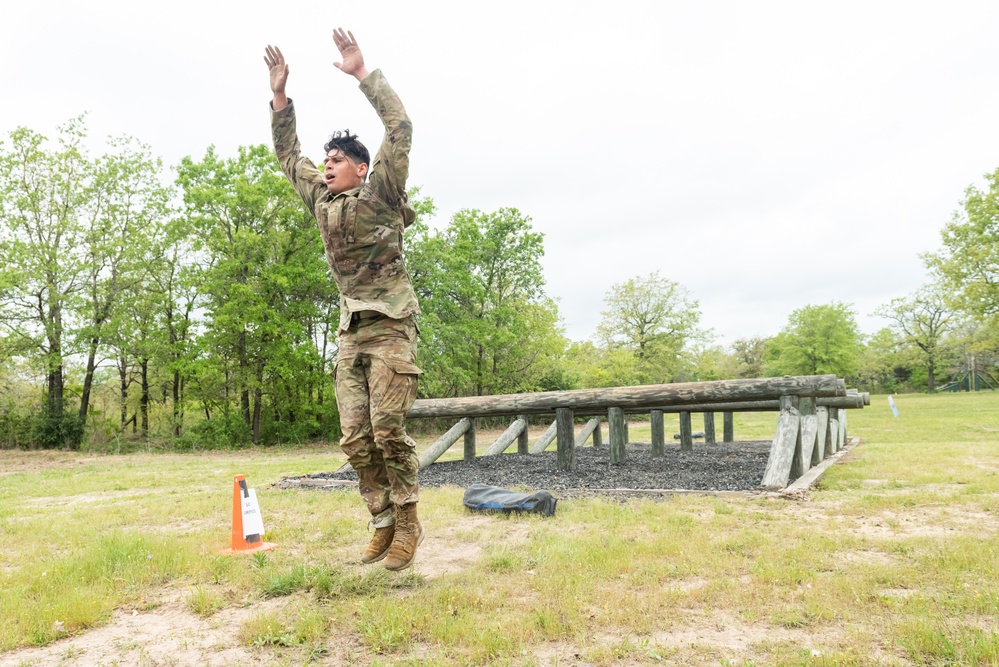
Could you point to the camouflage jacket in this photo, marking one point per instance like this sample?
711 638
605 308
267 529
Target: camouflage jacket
362 228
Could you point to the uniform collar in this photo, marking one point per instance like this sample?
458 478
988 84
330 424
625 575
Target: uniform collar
346 193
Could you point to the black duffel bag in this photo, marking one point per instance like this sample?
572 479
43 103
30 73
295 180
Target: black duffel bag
482 497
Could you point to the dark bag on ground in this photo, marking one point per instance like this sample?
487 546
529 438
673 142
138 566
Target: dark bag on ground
483 497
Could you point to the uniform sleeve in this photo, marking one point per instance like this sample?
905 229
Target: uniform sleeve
305 177
390 168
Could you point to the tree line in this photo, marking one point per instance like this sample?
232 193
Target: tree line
198 311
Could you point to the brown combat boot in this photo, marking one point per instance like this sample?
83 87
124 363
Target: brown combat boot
408 536
379 545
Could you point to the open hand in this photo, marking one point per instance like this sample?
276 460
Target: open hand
353 61
278 67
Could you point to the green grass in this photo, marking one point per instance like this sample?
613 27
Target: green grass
894 559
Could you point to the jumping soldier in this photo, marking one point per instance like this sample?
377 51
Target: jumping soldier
362 210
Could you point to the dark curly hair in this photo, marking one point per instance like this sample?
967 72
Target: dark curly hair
347 143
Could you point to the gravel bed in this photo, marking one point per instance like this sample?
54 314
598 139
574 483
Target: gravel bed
733 466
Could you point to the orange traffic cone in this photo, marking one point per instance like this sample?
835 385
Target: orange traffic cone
245 503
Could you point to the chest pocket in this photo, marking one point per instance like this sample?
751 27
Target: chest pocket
349 214
366 214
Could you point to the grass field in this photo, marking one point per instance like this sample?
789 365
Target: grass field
892 560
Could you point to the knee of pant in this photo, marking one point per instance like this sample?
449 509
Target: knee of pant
403 470
397 446
360 451
355 429
387 427
354 419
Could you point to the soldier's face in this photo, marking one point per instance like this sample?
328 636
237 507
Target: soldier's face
342 173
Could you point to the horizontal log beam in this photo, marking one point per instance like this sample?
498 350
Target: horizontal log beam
843 402
647 396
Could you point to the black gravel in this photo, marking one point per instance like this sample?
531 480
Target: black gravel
737 466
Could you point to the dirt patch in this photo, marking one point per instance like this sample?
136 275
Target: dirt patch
849 559
715 637
446 552
687 585
896 593
16 461
94 497
167 635
922 522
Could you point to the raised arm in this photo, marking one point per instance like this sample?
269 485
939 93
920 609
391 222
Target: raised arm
279 76
353 61
390 168
300 170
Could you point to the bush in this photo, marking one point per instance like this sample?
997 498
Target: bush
15 429
23 428
220 432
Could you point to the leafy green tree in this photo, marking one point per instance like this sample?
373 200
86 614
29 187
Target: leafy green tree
598 366
968 263
922 319
128 203
970 345
43 260
264 289
487 326
750 356
885 363
816 340
174 278
653 318
702 362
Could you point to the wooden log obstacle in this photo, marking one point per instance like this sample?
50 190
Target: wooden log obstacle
811 423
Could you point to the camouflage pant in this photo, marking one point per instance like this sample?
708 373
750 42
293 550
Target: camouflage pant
376 377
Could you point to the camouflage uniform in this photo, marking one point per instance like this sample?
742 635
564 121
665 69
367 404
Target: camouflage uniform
362 231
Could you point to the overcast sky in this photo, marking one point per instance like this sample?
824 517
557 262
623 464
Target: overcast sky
766 155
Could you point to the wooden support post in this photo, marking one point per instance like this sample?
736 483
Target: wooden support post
658 434
615 425
566 439
833 435
829 442
842 428
546 439
787 441
822 429
686 434
470 440
627 437
522 442
598 438
709 428
729 427
589 428
444 442
506 438
809 433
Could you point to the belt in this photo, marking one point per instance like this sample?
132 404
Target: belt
366 316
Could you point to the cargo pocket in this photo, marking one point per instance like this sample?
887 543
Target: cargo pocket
403 367
393 393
